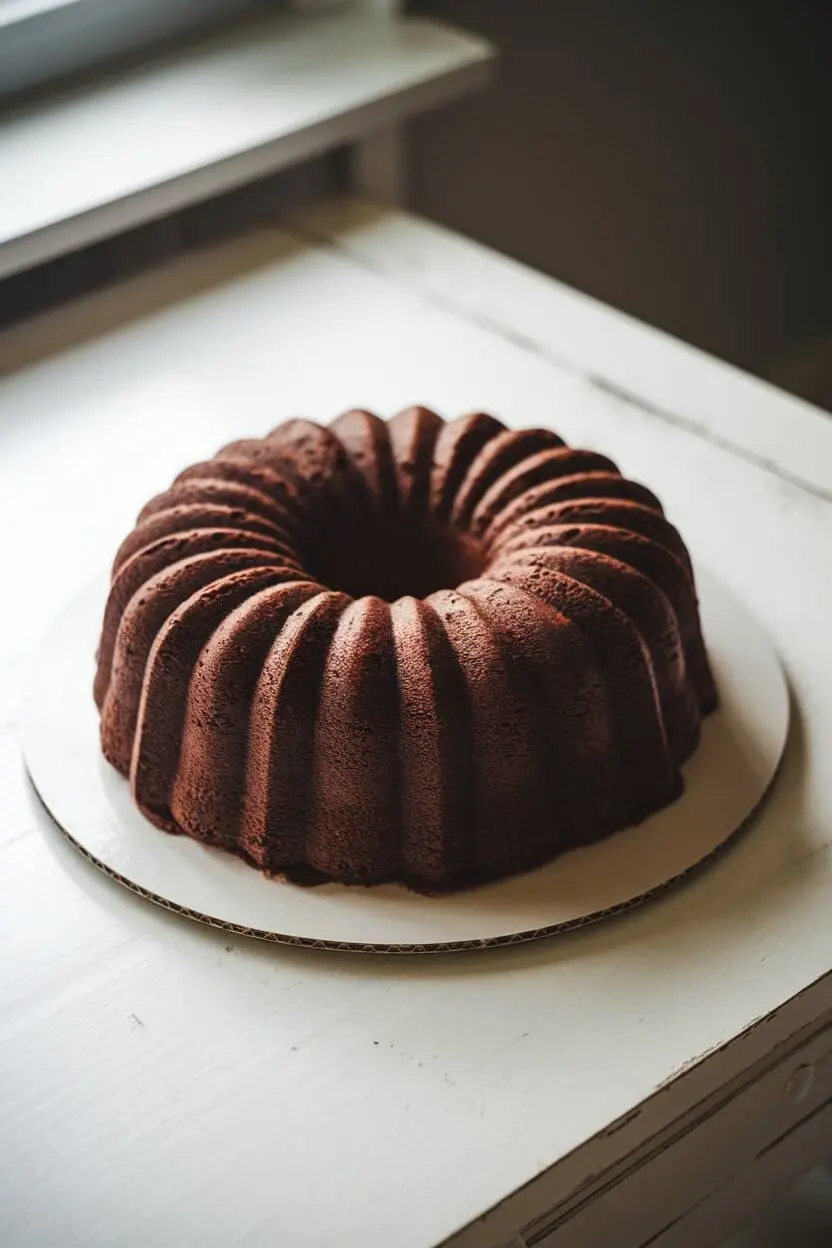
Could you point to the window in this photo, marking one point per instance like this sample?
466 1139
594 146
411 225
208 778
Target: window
41 40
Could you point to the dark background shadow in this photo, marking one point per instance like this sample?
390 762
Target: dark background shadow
669 158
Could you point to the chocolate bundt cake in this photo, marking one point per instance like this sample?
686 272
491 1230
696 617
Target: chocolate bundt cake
410 651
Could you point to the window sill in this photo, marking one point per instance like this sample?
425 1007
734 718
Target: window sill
100 159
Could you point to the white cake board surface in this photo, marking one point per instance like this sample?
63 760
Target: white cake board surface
725 782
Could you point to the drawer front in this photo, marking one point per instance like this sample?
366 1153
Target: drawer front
769 1122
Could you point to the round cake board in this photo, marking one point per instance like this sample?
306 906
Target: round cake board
725 782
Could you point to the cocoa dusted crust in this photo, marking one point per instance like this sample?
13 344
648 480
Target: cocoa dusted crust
417 651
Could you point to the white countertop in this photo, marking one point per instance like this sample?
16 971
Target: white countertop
164 1083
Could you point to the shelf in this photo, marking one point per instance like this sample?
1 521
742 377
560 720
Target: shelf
111 155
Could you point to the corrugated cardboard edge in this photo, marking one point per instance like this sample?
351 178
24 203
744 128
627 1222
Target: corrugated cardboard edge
448 946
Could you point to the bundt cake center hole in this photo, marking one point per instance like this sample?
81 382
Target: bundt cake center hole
394 559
